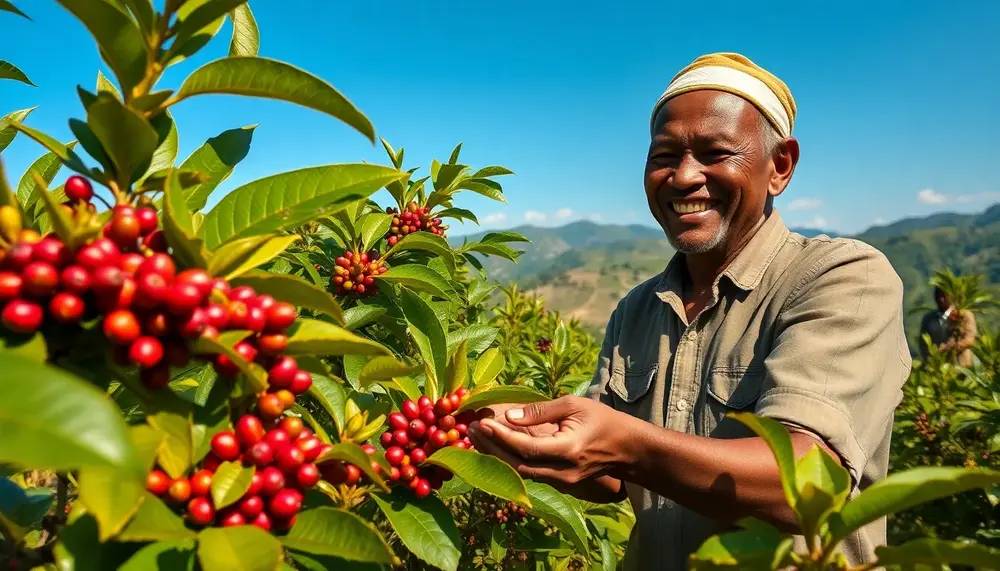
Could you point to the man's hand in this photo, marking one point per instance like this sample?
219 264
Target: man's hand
586 442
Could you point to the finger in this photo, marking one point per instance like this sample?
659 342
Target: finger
541 412
486 446
527 446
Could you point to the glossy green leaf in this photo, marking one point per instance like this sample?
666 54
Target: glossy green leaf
196 37
427 242
37 431
477 337
240 548
239 256
216 160
309 562
284 201
65 154
174 555
361 315
350 452
31 347
489 474
178 226
78 548
212 416
425 526
458 370
374 226
458 214
559 510
331 396
105 86
166 153
331 531
127 137
429 334
488 366
224 344
902 490
11 71
110 497
6 6
143 12
315 337
24 508
203 16
120 41
47 166
499 394
176 455
262 77
246 37
936 551
155 522
7 125
386 368
780 443
736 550
230 482
292 289
823 486
419 278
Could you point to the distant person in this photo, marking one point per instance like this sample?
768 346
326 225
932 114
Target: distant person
949 330
747 316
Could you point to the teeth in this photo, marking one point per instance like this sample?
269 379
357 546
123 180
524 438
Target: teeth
689 207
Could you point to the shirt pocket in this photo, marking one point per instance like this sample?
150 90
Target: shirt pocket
631 389
730 389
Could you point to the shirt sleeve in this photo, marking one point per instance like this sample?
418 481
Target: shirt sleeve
840 357
602 375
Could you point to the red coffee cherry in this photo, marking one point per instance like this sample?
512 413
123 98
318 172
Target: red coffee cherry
130 263
273 481
285 504
225 446
159 263
156 241
78 188
416 429
73 279
277 438
51 251
280 316
283 372
201 483
260 454
39 278
249 430
423 489
121 327
201 511
183 298
270 406
146 352
301 383
312 448
251 506
272 344
124 230
424 402
66 307
262 521
147 220
394 455
151 289
442 407
307 476
157 482
293 426
10 286
179 491
410 410
233 519
198 278
289 459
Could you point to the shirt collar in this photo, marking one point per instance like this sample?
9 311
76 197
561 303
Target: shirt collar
745 272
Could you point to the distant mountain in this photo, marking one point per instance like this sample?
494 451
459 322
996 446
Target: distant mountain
582 269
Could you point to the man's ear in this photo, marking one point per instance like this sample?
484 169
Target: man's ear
783 160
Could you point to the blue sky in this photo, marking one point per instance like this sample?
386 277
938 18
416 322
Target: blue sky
897 102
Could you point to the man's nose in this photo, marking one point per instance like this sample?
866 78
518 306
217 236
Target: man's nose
687 174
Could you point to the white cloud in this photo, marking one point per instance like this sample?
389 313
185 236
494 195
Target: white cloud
534 216
564 213
879 220
817 223
493 218
595 216
931 196
805 204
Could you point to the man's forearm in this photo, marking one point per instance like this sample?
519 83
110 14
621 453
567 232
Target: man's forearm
724 479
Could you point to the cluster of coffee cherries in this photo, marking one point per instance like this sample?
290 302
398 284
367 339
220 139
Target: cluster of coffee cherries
355 272
413 219
338 472
544 345
505 513
418 430
283 458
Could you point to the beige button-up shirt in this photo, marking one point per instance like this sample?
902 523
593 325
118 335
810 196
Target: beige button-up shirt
805 331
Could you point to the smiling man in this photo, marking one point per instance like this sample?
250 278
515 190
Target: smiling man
746 317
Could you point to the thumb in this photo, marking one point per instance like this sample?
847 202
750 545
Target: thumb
540 412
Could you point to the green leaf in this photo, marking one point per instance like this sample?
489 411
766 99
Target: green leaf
331 531
31 347
307 562
262 77
23 508
246 37
902 490
489 474
736 550
128 139
823 486
155 522
241 548
212 416
361 315
224 344
65 154
229 483
174 555
428 333
10 71
780 443
216 159
7 125
425 526
392 374
8 7
457 214
502 237
239 256
513 394
292 289
478 338
166 153
559 510
143 12
178 226
373 226
491 171
204 16
489 365
105 86
110 497
47 166
284 201
458 370
176 455
427 242
39 434
120 41
196 36
331 396
937 551
608 558
419 278
314 337
354 454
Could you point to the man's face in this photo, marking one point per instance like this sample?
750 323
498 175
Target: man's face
707 173
942 300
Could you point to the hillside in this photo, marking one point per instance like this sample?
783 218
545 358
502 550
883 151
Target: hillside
582 269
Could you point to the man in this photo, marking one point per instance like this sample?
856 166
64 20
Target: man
746 317
950 331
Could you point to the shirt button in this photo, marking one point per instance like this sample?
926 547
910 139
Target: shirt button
682 405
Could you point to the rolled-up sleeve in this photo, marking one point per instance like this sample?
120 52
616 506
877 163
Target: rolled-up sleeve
839 355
